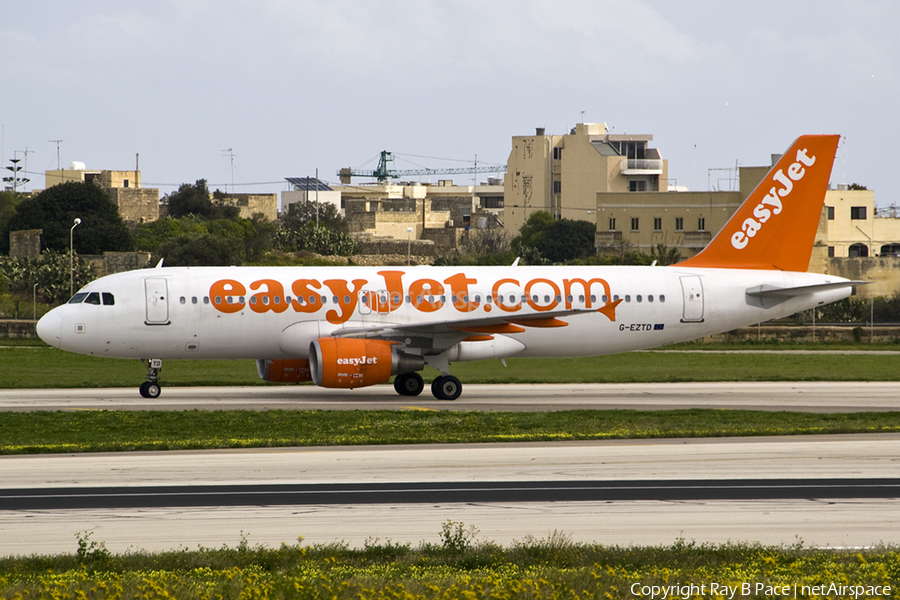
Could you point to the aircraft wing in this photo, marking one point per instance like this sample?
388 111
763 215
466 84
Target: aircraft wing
440 335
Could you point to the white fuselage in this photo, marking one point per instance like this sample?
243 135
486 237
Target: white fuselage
189 313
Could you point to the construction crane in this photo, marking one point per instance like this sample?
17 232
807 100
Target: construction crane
383 173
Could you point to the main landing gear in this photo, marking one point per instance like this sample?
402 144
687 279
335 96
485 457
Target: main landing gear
151 387
445 387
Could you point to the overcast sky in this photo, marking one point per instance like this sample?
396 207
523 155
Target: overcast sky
291 85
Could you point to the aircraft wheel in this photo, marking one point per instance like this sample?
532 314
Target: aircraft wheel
150 389
409 384
446 387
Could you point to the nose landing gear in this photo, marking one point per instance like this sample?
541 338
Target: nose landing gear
151 387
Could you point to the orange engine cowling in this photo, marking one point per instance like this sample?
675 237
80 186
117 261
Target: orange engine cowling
290 370
353 363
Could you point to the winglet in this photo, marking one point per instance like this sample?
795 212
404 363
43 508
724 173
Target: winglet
776 225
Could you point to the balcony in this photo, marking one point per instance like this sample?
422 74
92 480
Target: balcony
608 237
643 166
697 239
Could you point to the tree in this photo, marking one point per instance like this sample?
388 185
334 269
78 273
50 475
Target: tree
193 199
55 209
300 213
554 240
9 202
663 255
203 250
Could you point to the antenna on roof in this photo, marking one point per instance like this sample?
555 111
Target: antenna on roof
231 156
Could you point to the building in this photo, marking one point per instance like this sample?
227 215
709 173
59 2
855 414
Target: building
136 204
855 229
684 220
310 189
252 204
562 174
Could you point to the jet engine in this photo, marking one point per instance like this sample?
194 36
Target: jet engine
353 363
290 370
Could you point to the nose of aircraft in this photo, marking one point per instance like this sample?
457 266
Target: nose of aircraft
49 328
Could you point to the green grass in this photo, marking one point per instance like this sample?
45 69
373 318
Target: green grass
461 566
40 366
110 431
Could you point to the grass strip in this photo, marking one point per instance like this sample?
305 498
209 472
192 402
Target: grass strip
45 367
113 431
461 566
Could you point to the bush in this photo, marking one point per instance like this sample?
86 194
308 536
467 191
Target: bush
50 272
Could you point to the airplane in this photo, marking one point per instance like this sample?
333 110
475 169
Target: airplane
351 327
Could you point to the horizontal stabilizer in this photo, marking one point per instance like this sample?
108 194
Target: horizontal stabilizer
766 296
763 291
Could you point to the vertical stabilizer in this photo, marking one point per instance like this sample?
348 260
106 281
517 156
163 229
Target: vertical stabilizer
776 225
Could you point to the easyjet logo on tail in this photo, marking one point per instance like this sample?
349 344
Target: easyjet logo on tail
772 204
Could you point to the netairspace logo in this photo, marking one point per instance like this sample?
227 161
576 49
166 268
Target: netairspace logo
686 591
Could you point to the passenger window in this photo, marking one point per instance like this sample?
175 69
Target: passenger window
182 300
206 300
662 298
92 298
193 299
78 298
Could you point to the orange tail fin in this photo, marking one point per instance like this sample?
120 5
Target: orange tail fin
776 225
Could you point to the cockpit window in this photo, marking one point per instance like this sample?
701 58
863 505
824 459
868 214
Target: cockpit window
108 299
78 298
92 298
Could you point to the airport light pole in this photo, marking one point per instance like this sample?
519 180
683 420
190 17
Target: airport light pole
408 244
72 257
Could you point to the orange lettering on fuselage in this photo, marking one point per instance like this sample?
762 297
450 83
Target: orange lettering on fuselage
347 299
306 301
425 295
271 299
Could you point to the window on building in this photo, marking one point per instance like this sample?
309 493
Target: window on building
125 183
657 224
857 213
679 223
890 250
830 251
859 251
557 187
830 210
612 223
637 185
557 153
701 224
635 224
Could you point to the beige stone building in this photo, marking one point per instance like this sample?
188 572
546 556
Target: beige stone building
562 174
136 204
253 204
683 220
437 212
855 229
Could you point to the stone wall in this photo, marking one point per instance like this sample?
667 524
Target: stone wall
882 271
109 263
251 204
17 329
384 246
808 333
25 243
136 205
